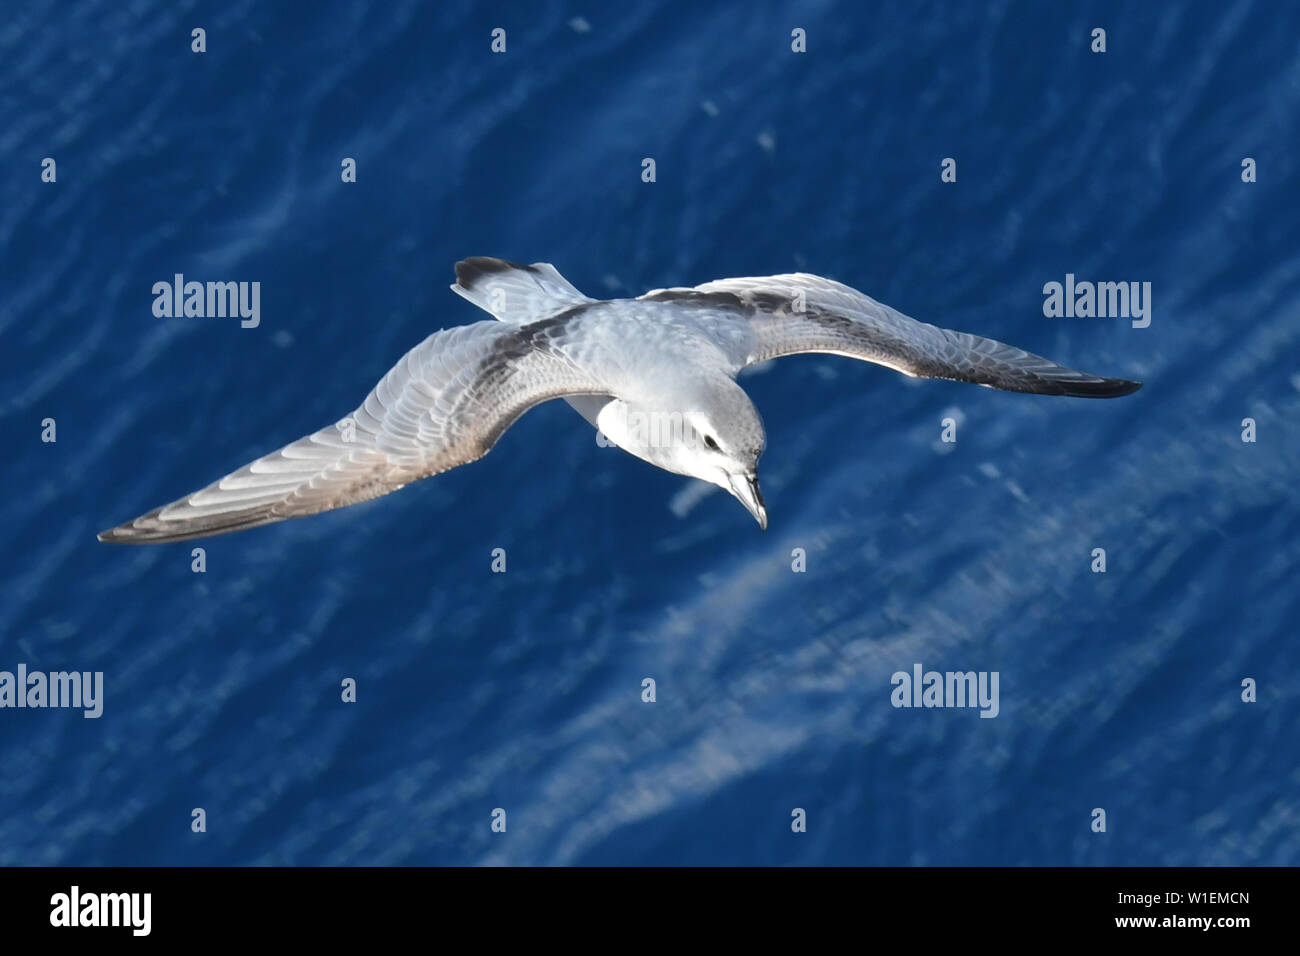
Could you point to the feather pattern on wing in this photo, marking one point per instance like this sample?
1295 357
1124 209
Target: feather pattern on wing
798 313
444 404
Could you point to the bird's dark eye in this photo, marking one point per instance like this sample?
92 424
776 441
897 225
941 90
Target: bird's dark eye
709 442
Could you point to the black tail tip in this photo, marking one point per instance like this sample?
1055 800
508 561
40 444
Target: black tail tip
469 271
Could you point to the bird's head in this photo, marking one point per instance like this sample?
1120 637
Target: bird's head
723 438
711 432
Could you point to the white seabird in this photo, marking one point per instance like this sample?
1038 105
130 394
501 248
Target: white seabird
656 374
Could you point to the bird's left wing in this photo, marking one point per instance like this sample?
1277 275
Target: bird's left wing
444 404
796 313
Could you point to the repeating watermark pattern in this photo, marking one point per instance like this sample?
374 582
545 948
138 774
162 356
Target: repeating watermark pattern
650 429
951 419
922 688
656 429
178 298
83 690
75 908
914 688
1102 300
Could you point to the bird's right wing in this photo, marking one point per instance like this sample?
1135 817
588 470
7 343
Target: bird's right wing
444 404
796 313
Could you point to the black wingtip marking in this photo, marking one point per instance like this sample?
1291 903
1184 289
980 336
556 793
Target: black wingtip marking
122 534
1104 388
128 533
471 270
119 535
136 533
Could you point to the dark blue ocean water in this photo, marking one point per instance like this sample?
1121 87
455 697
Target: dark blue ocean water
522 690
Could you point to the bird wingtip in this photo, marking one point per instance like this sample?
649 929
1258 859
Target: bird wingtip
115 535
1121 386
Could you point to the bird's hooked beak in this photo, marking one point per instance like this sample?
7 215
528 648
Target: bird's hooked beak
745 488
